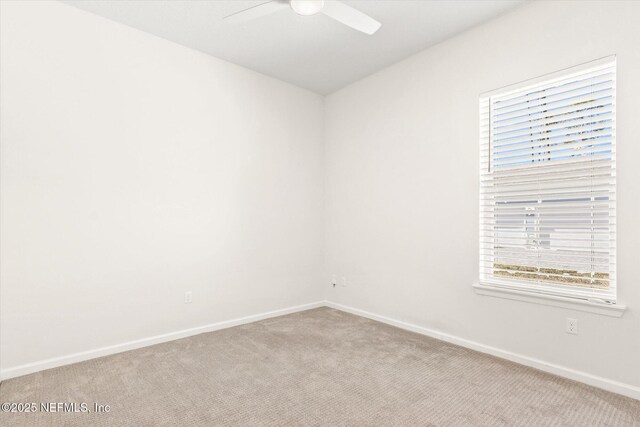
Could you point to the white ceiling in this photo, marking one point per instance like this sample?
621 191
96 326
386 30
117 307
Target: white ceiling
314 52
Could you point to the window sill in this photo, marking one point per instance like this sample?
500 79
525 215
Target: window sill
613 310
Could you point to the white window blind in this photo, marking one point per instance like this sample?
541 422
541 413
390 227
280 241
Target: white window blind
547 185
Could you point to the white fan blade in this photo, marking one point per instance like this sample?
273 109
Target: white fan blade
350 16
256 11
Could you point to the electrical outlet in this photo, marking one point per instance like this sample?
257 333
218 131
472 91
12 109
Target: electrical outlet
334 281
343 282
188 297
571 326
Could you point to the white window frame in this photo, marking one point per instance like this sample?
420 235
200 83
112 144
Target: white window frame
532 293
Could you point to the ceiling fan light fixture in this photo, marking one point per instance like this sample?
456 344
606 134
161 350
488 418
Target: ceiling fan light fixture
334 9
306 7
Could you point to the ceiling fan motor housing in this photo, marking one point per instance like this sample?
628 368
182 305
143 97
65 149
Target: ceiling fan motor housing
306 7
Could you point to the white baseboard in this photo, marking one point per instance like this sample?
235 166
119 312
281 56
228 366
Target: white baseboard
41 365
562 371
593 380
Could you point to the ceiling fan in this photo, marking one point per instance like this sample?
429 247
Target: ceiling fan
335 9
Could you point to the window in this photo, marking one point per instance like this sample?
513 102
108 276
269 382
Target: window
547 184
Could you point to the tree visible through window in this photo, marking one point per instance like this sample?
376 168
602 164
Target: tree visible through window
548 185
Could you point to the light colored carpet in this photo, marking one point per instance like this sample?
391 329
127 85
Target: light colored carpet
318 367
